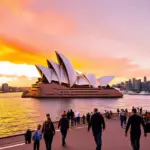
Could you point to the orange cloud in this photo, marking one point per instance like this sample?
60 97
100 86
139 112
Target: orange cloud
19 53
120 67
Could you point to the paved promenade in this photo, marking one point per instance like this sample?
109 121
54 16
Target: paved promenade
80 139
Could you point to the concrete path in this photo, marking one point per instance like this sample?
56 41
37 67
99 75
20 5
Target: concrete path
80 139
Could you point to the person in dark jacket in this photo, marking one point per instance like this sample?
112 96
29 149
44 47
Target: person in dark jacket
135 121
88 116
72 117
97 123
83 119
49 131
64 126
28 136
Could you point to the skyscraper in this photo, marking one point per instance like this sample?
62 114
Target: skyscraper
133 83
145 79
5 87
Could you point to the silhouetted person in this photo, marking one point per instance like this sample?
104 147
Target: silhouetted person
122 117
125 117
118 111
83 119
88 117
68 115
64 112
72 117
28 136
126 110
135 121
75 120
48 131
64 126
97 123
141 110
110 113
133 108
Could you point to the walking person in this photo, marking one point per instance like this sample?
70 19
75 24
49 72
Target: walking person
97 123
141 111
122 117
78 117
135 121
64 126
125 117
83 119
72 117
88 117
118 111
48 131
37 137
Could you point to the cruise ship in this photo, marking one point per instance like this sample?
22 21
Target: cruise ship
60 80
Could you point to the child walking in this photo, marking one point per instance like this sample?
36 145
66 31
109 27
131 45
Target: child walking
37 136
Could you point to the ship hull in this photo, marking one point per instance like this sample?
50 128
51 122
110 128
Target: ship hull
59 91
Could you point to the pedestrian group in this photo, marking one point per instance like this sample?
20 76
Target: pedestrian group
95 121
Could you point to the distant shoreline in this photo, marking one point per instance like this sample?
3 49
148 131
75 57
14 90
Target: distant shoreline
1 92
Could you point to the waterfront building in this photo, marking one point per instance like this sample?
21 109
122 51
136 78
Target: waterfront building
130 84
137 86
133 83
127 87
63 80
64 73
5 87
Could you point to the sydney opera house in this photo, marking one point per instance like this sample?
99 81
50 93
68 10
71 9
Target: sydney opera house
62 80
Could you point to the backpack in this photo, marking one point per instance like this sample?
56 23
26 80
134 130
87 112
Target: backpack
36 136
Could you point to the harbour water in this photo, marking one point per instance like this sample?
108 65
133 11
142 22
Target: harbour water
18 114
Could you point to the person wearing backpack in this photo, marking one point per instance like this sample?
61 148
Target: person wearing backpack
37 136
49 131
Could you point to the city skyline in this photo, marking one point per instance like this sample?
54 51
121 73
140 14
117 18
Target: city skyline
134 84
100 37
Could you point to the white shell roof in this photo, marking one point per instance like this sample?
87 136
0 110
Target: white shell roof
56 68
69 68
82 81
92 79
54 76
65 73
63 76
46 72
104 81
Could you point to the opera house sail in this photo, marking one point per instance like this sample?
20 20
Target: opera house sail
62 80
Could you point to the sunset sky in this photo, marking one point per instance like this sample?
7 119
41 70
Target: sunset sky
104 37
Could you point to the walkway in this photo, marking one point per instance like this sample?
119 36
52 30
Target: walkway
80 139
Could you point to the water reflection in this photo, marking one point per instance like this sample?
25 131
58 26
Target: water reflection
17 114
